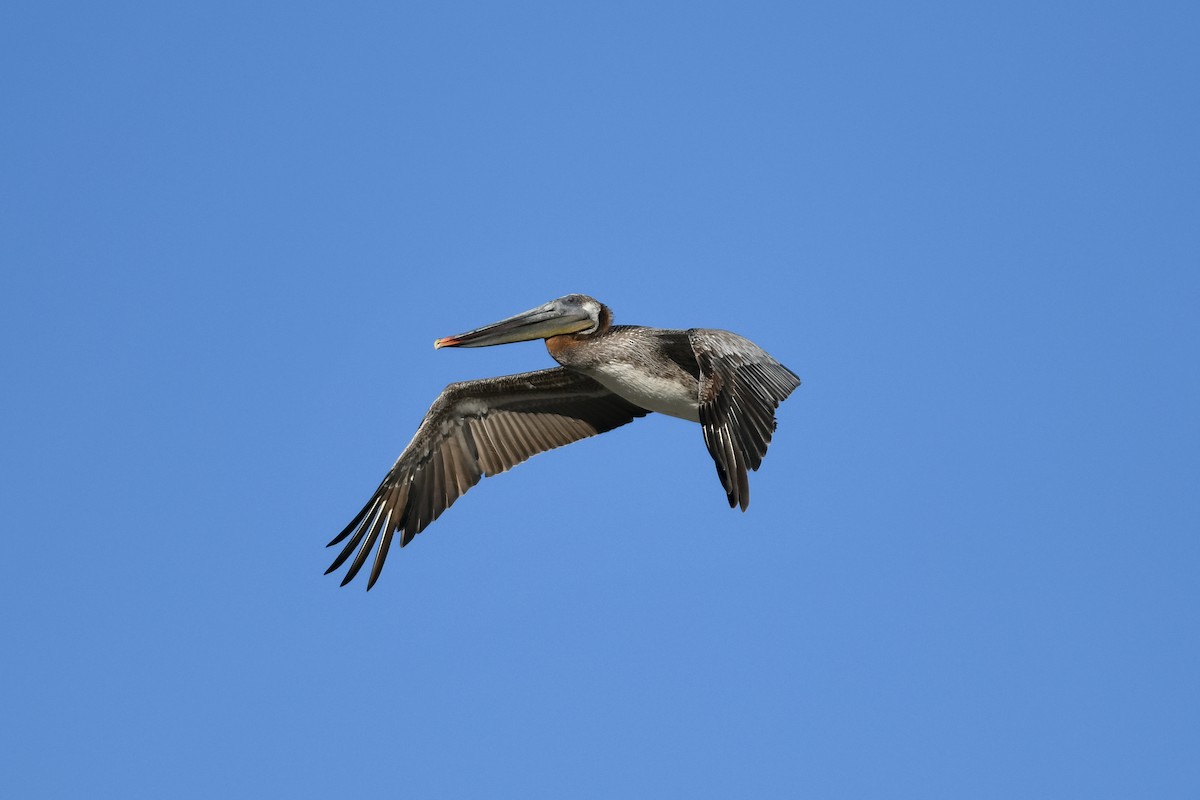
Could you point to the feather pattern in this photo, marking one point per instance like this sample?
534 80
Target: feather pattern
740 387
609 375
475 429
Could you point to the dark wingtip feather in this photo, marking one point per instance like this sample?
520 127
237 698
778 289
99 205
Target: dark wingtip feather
368 543
380 557
341 557
358 518
346 531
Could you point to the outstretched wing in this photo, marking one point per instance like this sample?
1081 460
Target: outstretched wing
473 429
740 388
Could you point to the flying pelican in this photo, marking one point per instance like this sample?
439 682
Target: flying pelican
610 375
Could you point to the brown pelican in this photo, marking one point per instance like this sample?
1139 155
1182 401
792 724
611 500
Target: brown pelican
610 375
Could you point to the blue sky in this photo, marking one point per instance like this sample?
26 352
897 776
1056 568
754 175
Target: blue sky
230 235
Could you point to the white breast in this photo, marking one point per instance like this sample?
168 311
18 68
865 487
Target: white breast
650 391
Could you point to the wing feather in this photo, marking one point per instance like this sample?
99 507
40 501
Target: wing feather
740 388
475 429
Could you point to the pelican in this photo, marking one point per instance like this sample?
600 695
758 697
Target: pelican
609 375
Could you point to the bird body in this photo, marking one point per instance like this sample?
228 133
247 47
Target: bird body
609 376
653 368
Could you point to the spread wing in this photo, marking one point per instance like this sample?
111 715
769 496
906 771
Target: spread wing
473 429
740 388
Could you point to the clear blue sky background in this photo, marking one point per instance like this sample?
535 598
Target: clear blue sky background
231 232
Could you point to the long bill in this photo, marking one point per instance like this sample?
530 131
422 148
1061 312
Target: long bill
552 319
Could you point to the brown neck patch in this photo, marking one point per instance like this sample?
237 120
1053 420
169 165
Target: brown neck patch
561 344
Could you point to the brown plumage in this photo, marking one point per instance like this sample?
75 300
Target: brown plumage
610 375
739 392
476 429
